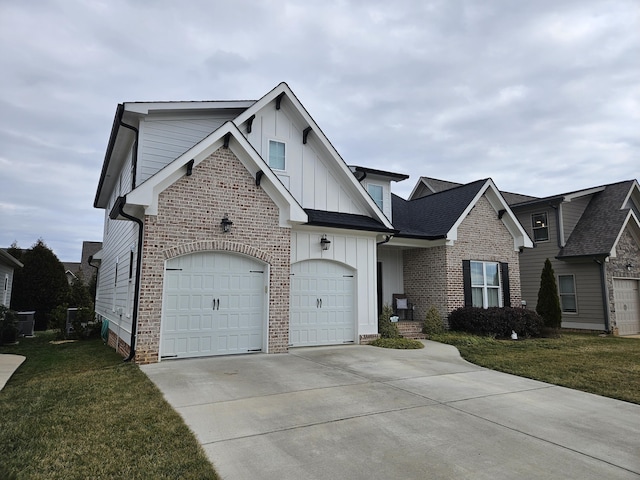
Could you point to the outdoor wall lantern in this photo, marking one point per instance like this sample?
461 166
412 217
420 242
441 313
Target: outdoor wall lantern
325 242
629 267
226 223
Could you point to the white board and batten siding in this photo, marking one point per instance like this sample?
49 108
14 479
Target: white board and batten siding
392 273
6 283
311 179
164 138
114 295
354 253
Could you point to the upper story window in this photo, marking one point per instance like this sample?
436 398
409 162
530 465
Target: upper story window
277 155
567 290
376 193
540 227
485 284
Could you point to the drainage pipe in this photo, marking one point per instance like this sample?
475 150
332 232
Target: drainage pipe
605 296
136 290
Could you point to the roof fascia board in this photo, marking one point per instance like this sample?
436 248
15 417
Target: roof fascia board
420 182
10 259
635 189
407 242
144 108
146 195
321 138
582 193
520 237
634 223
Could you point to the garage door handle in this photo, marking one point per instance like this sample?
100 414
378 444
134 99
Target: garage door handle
320 303
216 304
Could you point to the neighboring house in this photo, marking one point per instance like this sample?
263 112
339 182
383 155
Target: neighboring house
592 238
7 266
456 246
235 226
84 269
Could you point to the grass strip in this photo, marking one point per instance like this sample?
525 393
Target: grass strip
75 410
604 365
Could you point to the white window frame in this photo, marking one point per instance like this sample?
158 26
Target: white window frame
485 286
115 286
568 294
376 186
544 227
269 142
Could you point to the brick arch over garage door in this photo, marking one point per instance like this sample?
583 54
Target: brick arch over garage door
220 245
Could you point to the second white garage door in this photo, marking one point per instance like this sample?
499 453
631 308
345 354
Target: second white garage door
627 304
214 304
322 304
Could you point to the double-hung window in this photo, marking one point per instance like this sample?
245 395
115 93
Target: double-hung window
540 225
567 290
277 155
376 193
485 284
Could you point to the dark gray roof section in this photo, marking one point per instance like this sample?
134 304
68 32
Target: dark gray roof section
8 259
432 217
348 221
515 198
437 185
597 230
383 173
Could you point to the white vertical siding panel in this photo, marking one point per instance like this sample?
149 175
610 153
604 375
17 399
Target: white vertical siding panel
4 271
392 273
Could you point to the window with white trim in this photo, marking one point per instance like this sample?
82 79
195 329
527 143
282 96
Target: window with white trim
376 194
567 291
277 155
540 225
485 284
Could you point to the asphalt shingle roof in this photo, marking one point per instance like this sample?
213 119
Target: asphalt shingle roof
432 217
600 224
345 220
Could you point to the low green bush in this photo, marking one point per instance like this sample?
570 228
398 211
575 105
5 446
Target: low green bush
387 328
497 322
433 322
83 325
398 343
8 326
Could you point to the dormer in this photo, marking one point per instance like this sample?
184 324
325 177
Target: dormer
378 184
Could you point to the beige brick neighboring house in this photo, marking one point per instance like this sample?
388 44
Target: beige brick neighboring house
235 226
450 237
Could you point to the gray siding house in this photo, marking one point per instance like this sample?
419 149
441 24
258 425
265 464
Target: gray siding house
7 266
592 238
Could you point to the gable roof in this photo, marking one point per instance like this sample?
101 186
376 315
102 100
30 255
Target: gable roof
282 91
146 195
600 226
434 185
438 216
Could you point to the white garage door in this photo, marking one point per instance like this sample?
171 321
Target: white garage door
214 304
627 304
322 304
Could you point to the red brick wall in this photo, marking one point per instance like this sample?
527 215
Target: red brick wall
188 220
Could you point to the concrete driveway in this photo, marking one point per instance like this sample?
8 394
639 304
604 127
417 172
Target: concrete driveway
361 412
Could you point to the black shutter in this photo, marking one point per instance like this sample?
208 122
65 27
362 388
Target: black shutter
466 280
506 291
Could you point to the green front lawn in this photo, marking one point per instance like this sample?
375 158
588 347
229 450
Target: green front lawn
75 410
608 366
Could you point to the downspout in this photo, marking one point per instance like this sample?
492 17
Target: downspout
136 290
560 235
134 157
605 296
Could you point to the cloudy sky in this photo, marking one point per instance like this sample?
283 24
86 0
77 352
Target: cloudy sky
543 96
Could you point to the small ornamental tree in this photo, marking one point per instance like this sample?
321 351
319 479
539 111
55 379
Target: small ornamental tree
548 306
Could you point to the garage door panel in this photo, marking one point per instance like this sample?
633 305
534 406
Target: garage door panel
627 306
322 311
213 305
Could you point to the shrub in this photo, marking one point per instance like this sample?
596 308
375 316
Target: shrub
387 328
433 322
83 323
497 322
548 306
398 343
8 326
